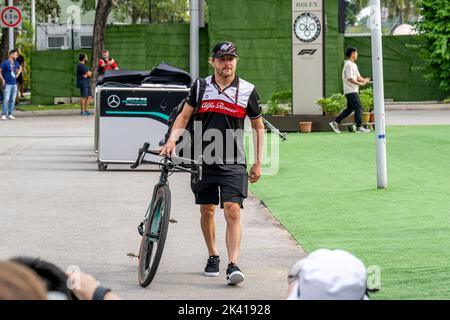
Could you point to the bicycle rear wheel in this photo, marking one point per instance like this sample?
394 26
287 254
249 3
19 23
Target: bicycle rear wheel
155 232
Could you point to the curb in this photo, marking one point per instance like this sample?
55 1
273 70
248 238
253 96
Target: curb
389 107
417 106
48 113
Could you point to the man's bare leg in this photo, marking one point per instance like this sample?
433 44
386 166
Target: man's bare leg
233 240
83 104
233 234
209 227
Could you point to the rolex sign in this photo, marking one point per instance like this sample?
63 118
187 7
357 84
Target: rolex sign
307 56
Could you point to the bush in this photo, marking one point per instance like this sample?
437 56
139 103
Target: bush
366 97
274 107
276 101
333 104
282 96
434 26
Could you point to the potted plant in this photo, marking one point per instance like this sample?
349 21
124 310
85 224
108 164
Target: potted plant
332 105
284 99
275 108
366 97
305 127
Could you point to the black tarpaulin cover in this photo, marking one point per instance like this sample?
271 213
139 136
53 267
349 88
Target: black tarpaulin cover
167 74
161 74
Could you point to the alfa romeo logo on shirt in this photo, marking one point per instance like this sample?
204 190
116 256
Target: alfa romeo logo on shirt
113 101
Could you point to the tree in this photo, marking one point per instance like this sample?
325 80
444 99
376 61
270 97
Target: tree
434 26
104 8
134 9
401 9
44 8
153 11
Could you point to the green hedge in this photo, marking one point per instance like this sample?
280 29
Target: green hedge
142 47
53 74
135 47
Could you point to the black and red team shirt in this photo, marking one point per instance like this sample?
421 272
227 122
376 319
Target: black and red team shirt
103 66
221 114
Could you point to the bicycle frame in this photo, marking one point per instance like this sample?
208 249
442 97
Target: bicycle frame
166 166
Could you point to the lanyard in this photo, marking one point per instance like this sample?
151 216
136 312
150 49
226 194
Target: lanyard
12 66
226 95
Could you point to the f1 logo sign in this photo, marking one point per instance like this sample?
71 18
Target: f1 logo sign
309 52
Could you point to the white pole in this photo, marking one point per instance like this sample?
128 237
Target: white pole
11 31
33 20
194 38
378 87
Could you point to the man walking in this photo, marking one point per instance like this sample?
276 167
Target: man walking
226 101
83 76
10 70
352 80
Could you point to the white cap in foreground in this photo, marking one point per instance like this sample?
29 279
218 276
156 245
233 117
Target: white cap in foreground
328 275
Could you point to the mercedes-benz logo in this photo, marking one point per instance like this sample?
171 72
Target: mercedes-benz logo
163 104
113 101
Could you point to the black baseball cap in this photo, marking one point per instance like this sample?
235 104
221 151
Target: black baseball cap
224 48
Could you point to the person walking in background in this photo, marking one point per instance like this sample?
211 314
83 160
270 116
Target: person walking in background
352 80
10 71
83 83
20 82
106 63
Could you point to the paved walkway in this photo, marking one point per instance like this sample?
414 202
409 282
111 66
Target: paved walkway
55 205
417 117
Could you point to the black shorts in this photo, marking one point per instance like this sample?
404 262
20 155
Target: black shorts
213 189
85 92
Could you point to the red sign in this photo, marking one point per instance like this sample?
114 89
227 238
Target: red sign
11 17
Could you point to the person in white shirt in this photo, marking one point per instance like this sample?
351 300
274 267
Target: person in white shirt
352 80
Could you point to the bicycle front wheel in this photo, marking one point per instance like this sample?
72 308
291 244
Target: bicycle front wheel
155 232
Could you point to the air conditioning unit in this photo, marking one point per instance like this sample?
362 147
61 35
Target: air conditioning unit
86 41
56 42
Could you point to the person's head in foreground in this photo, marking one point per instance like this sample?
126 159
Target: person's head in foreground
18 282
52 276
328 275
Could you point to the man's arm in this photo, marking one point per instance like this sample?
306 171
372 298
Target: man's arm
363 80
359 81
258 141
177 130
19 71
1 77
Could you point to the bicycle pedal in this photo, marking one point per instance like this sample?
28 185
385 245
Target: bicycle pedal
141 229
132 255
172 220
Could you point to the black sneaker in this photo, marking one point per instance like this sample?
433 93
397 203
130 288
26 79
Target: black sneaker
212 267
234 275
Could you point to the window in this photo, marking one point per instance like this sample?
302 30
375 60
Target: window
57 42
86 41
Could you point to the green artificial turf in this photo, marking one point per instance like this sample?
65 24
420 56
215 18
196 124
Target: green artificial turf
325 194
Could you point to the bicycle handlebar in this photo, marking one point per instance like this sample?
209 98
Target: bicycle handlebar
174 161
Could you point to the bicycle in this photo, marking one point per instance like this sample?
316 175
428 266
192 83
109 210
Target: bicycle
154 227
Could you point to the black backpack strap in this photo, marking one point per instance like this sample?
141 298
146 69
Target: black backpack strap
201 87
